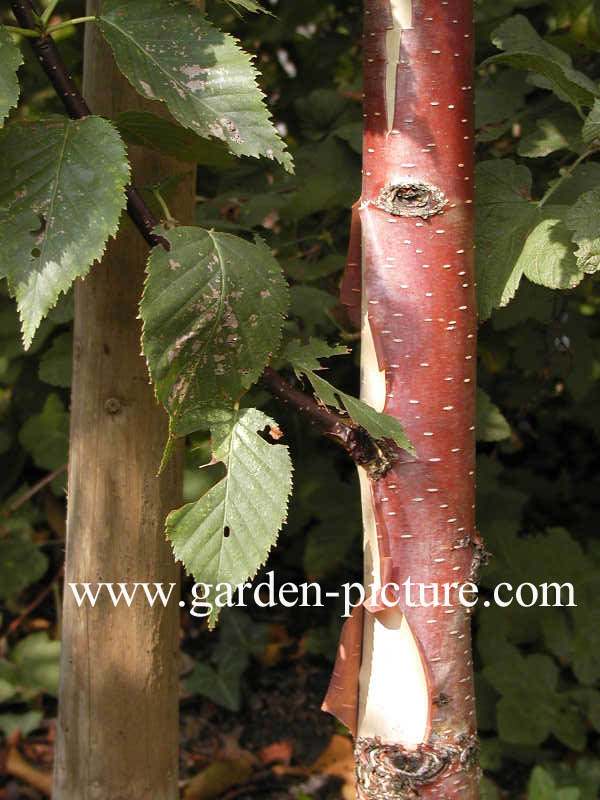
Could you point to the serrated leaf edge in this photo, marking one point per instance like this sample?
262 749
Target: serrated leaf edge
286 159
21 62
214 614
27 335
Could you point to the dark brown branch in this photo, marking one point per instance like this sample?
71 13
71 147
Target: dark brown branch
55 68
356 441
24 13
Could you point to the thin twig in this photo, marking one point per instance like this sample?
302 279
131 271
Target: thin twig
567 172
16 623
19 31
35 489
68 22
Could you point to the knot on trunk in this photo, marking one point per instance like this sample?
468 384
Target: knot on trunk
410 198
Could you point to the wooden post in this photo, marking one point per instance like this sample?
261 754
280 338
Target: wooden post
117 733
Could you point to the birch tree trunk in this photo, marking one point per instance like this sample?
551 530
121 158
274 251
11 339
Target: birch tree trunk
117 732
413 241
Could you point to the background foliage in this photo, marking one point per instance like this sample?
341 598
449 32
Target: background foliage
537 669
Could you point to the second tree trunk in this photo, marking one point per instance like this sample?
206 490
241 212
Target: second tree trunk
415 721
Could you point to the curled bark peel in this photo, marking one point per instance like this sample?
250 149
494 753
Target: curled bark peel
416 221
342 696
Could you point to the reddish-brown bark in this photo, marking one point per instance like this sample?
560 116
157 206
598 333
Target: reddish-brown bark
416 216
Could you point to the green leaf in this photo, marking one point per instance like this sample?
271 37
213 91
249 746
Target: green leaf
379 425
547 256
488 790
583 178
312 306
516 237
531 302
541 785
46 435
11 59
56 363
326 393
226 535
326 547
351 132
61 194
560 131
497 101
591 126
171 52
304 359
545 139
583 220
320 111
249 5
150 130
221 685
322 642
590 700
527 683
212 312
303 270
586 617
504 217
5 441
21 563
37 659
8 690
239 638
490 426
518 673
239 633
24 723
331 173
525 49
518 725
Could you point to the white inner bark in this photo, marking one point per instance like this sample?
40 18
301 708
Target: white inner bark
393 692
402 19
393 696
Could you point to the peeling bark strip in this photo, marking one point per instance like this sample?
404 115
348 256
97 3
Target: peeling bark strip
415 722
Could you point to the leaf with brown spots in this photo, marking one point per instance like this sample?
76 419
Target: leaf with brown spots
61 197
212 312
169 51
